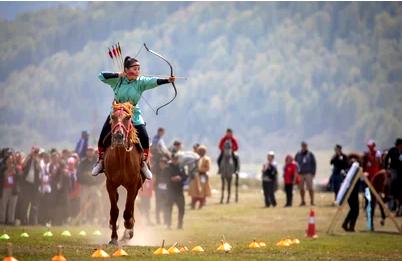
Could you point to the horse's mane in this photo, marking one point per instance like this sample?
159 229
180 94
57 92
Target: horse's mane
127 107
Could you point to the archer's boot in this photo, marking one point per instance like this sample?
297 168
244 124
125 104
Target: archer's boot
145 170
98 168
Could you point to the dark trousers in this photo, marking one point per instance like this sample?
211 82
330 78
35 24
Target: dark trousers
289 194
353 201
160 205
29 196
177 199
336 182
107 128
269 189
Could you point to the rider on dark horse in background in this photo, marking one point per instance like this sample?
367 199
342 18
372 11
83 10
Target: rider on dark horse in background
229 137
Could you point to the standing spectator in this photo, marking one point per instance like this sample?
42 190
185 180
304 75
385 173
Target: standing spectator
234 145
177 176
53 173
158 148
353 200
30 189
176 147
61 182
8 190
144 205
200 187
45 198
91 204
161 190
158 151
289 176
82 144
307 168
393 163
73 188
340 164
269 178
371 166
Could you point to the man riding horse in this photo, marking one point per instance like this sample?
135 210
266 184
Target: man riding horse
231 139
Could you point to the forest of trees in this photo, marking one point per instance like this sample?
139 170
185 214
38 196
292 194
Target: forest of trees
277 73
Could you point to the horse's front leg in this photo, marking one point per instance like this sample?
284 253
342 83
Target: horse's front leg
237 186
129 214
114 211
223 187
229 180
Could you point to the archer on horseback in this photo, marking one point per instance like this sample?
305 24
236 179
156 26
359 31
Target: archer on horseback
128 86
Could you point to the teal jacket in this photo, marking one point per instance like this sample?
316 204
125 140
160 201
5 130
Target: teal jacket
129 91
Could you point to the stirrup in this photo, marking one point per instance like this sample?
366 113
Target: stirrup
145 170
98 168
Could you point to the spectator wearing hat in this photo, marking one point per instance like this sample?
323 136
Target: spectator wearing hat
200 188
393 163
307 169
269 179
339 164
289 175
176 147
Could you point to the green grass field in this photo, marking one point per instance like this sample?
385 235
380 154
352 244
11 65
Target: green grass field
240 223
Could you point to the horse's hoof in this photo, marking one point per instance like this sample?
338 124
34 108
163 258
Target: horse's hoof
128 234
114 242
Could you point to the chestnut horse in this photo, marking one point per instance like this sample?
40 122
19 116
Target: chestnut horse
123 168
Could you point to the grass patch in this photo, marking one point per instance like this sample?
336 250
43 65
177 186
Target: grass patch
240 223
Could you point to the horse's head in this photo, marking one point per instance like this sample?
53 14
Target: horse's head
123 132
227 148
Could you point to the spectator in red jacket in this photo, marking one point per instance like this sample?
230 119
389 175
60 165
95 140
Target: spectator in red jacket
289 176
229 136
372 161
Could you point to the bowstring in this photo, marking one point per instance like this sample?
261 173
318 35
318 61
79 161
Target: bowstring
146 101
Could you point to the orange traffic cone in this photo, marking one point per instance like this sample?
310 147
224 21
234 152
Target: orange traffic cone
10 253
310 232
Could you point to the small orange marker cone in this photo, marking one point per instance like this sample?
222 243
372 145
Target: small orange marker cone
100 253
198 249
120 252
10 253
173 249
59 256
161 250
254 244
224 247
310 232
